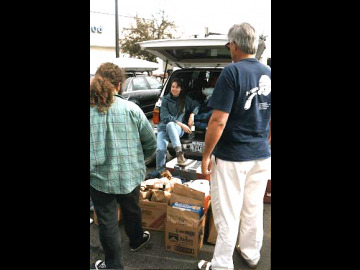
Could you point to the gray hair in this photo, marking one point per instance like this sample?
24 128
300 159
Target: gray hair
245 37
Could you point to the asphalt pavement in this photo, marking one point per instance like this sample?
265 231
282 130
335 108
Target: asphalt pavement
154 255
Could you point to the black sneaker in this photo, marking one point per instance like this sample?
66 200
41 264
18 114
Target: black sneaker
100 264
146 239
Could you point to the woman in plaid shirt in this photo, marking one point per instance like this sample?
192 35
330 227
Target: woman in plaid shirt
121 138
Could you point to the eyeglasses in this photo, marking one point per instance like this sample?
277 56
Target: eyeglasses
227 45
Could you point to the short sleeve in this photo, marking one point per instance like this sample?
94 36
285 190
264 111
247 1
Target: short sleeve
222 98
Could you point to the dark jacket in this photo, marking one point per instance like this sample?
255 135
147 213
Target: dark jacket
201 120
170 110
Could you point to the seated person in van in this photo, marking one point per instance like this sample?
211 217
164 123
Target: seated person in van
202 118
174 107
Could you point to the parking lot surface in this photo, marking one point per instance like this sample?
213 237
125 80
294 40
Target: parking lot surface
154 255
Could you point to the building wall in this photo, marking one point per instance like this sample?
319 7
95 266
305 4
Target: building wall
102 39
102 30
98 54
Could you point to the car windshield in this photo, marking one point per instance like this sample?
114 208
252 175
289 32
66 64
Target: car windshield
139 83
154 83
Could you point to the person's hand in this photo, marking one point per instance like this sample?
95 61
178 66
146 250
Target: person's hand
206 165
186 129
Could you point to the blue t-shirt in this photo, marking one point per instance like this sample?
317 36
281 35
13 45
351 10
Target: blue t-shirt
244 91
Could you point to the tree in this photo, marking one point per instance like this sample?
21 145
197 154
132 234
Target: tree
261 46
146 29
262 37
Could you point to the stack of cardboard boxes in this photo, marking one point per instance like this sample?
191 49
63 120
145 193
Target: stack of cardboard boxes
161 202
185 226
154 199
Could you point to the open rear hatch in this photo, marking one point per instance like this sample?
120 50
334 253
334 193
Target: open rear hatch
191 52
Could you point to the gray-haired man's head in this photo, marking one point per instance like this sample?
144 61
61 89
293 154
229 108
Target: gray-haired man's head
245 37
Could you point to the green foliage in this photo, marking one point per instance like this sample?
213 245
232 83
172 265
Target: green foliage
146 29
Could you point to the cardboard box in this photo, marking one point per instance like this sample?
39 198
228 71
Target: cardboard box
267 196
184 230
192 170
160 196
185 218
153 215
95 218
212 233
146 194
184 194
184 239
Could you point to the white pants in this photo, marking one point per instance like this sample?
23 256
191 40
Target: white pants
237 193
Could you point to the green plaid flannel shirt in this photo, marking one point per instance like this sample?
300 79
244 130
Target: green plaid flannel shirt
120 140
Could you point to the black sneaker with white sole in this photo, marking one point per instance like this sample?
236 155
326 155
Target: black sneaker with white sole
146 239
100 264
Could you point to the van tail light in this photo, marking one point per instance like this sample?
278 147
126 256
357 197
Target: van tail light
156 115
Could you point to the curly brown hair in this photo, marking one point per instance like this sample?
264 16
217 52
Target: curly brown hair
112 72
101 93
102 86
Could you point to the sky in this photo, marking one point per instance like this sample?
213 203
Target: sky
192 16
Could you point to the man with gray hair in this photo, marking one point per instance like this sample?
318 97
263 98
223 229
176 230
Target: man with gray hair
237 153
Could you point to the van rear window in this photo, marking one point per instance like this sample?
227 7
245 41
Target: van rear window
195 80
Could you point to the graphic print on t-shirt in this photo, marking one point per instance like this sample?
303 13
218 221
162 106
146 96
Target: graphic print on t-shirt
263 89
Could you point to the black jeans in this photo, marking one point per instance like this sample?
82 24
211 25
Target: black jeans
105 206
